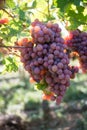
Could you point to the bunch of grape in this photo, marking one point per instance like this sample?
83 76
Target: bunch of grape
77 42
45 32
45 58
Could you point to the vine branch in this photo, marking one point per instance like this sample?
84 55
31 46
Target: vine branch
8 13
3 46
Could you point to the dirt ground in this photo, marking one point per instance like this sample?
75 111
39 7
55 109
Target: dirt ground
52 123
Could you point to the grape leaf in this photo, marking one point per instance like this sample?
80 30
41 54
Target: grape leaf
10 3
10 64
21 14
33 5
42 85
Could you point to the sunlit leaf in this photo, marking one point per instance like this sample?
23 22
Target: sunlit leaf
10 3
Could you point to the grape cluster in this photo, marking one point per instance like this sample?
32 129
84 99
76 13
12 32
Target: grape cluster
45 33
77 42
45 58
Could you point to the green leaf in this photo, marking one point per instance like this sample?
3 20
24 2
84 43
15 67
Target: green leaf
74 25
12 32
80 9
3 61
21 14
42 85
64 4
33 4
10 64
76 2
85 1
77 18
10 3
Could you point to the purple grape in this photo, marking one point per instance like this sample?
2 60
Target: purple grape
37 70
54 68
39 47
60 65
53 46
50 56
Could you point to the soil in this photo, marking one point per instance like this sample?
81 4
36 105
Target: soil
53 123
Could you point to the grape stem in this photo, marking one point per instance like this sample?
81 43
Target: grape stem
13 53
48 8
